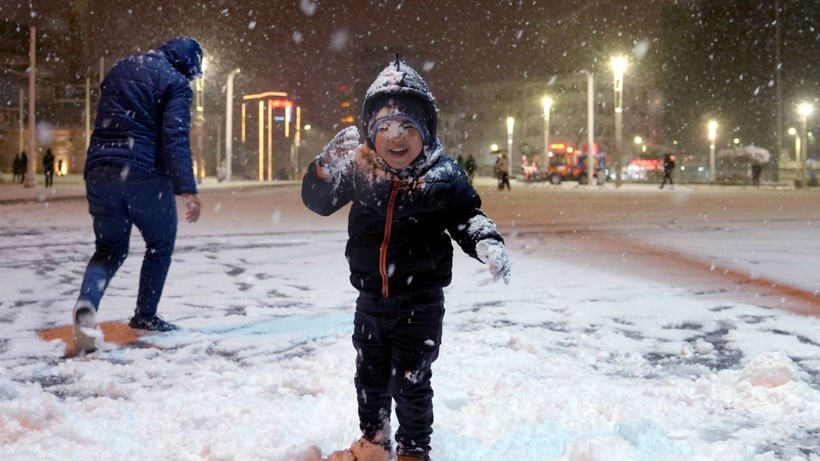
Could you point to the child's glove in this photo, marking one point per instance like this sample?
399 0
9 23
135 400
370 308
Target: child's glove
494 255
339 152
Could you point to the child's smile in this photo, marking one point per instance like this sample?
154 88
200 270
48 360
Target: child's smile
398 142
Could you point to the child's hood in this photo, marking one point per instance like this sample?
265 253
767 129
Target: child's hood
398 78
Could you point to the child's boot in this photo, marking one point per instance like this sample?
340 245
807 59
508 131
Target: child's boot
413 458
86 333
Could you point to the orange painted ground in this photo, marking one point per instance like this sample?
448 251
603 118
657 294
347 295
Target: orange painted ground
113 333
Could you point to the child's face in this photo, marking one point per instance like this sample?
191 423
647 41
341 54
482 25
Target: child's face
398 142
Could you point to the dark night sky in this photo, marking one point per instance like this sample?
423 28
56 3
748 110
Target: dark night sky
309 47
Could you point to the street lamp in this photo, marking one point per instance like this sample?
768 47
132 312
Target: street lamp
712 126
641 146
229 123
590 126
547 101
804 110
199 124
31 177
793 132
618 67
510 126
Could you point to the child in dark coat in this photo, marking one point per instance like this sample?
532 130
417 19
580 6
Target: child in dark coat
406 197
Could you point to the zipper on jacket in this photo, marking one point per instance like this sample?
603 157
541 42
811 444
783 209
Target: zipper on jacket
388 229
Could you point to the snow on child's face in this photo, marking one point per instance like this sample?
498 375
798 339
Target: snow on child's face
397 140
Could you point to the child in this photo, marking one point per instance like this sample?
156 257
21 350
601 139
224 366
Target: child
405 194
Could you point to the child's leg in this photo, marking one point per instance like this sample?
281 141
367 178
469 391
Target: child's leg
416 336
373 351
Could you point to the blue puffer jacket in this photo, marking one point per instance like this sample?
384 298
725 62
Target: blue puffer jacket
144 114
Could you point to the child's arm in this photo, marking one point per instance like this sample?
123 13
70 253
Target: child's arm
337 154
326 186
493 253
478 236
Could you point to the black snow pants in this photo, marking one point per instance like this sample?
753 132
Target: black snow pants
397 340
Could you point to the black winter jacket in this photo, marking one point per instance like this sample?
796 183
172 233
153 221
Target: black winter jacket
144 114
398 227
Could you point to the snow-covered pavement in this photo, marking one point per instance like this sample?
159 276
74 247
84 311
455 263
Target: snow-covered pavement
622 336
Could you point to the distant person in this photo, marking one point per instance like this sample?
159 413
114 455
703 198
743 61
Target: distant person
15 168
756 170
502 167
408 201
48 168
138 159
23 166
668 168
470 166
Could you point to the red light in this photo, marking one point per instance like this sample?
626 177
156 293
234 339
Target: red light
280 102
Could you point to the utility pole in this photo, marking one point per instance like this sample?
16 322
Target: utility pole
778 91
31 178
591 128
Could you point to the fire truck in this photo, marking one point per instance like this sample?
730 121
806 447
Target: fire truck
568 164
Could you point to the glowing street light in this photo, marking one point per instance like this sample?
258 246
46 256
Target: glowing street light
547 101
712 134
229 123
639 142
510 126
804 110
793 131
618 67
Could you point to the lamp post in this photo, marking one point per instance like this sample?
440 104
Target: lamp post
712 134
793 132
229 123
590 126
547 101
31 177
510 126
640 144
199 125
804 110
618 67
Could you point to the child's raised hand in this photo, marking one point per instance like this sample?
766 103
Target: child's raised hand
494 254
339 151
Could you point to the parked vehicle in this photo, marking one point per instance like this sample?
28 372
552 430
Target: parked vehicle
568 164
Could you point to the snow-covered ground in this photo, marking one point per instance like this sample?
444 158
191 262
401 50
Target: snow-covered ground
578 359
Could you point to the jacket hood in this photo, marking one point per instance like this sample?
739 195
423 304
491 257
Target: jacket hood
399 79
185 54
